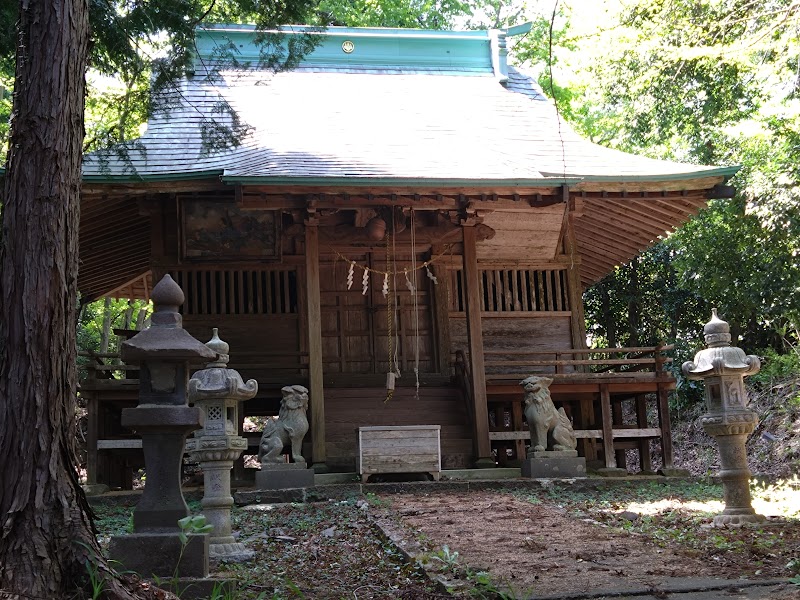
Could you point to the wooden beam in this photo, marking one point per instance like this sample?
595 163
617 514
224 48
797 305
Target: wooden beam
587 235
696 186
315 346
620 219
475 343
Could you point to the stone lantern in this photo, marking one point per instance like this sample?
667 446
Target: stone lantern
217 391
163 419
728 420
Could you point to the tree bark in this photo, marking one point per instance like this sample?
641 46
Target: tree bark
46 532
609 321
105 334
634 319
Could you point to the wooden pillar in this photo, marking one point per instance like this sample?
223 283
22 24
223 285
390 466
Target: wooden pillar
608 434
574 290
442 318
586 420
616 420
314 329
239 471
517 419
645 462
475 344
663 422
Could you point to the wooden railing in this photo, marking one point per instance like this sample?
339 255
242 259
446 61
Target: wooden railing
107 366
586 363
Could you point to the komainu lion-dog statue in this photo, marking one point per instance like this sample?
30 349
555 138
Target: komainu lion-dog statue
288 429
544 421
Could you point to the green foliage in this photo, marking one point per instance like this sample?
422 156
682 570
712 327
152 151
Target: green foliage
711 82
484 587
536 50
192 524
119 314
777 367
139 51
448 558
423 14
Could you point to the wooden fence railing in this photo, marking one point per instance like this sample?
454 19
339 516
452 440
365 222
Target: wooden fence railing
588 363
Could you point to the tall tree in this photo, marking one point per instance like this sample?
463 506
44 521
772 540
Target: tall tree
46 532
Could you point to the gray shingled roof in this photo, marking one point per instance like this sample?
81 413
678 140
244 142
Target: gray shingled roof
366 124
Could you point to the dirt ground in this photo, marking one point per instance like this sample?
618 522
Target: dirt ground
542 549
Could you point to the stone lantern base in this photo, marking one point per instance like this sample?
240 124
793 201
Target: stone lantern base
734 519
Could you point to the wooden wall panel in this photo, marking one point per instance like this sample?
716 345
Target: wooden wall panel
517 334
530 234
347 409
356 325
263 347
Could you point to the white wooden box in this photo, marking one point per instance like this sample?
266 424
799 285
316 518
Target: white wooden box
399 449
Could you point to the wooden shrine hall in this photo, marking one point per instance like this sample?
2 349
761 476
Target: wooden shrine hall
403 202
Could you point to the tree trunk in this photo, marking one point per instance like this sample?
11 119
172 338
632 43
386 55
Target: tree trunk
609 322
46 532
105 334
634 319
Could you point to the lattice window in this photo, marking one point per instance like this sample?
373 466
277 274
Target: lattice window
513 290
214 413
238 292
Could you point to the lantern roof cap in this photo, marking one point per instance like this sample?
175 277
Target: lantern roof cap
165 339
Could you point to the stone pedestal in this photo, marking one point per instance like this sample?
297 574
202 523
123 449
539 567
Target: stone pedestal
553 464
285 476
163 419
735 474
163 430
156 554
217 501
612 472
217 392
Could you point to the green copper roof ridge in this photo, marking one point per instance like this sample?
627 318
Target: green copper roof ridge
136 177
726 172
387 48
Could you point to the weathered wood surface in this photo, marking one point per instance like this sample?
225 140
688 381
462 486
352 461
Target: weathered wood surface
514 335
315 350
410 449
648 432
355 326
526 233
475 345
347 409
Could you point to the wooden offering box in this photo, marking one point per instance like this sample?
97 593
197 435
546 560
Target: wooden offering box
395 449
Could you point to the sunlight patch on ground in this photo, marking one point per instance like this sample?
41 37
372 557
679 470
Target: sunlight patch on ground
779 499
673 504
